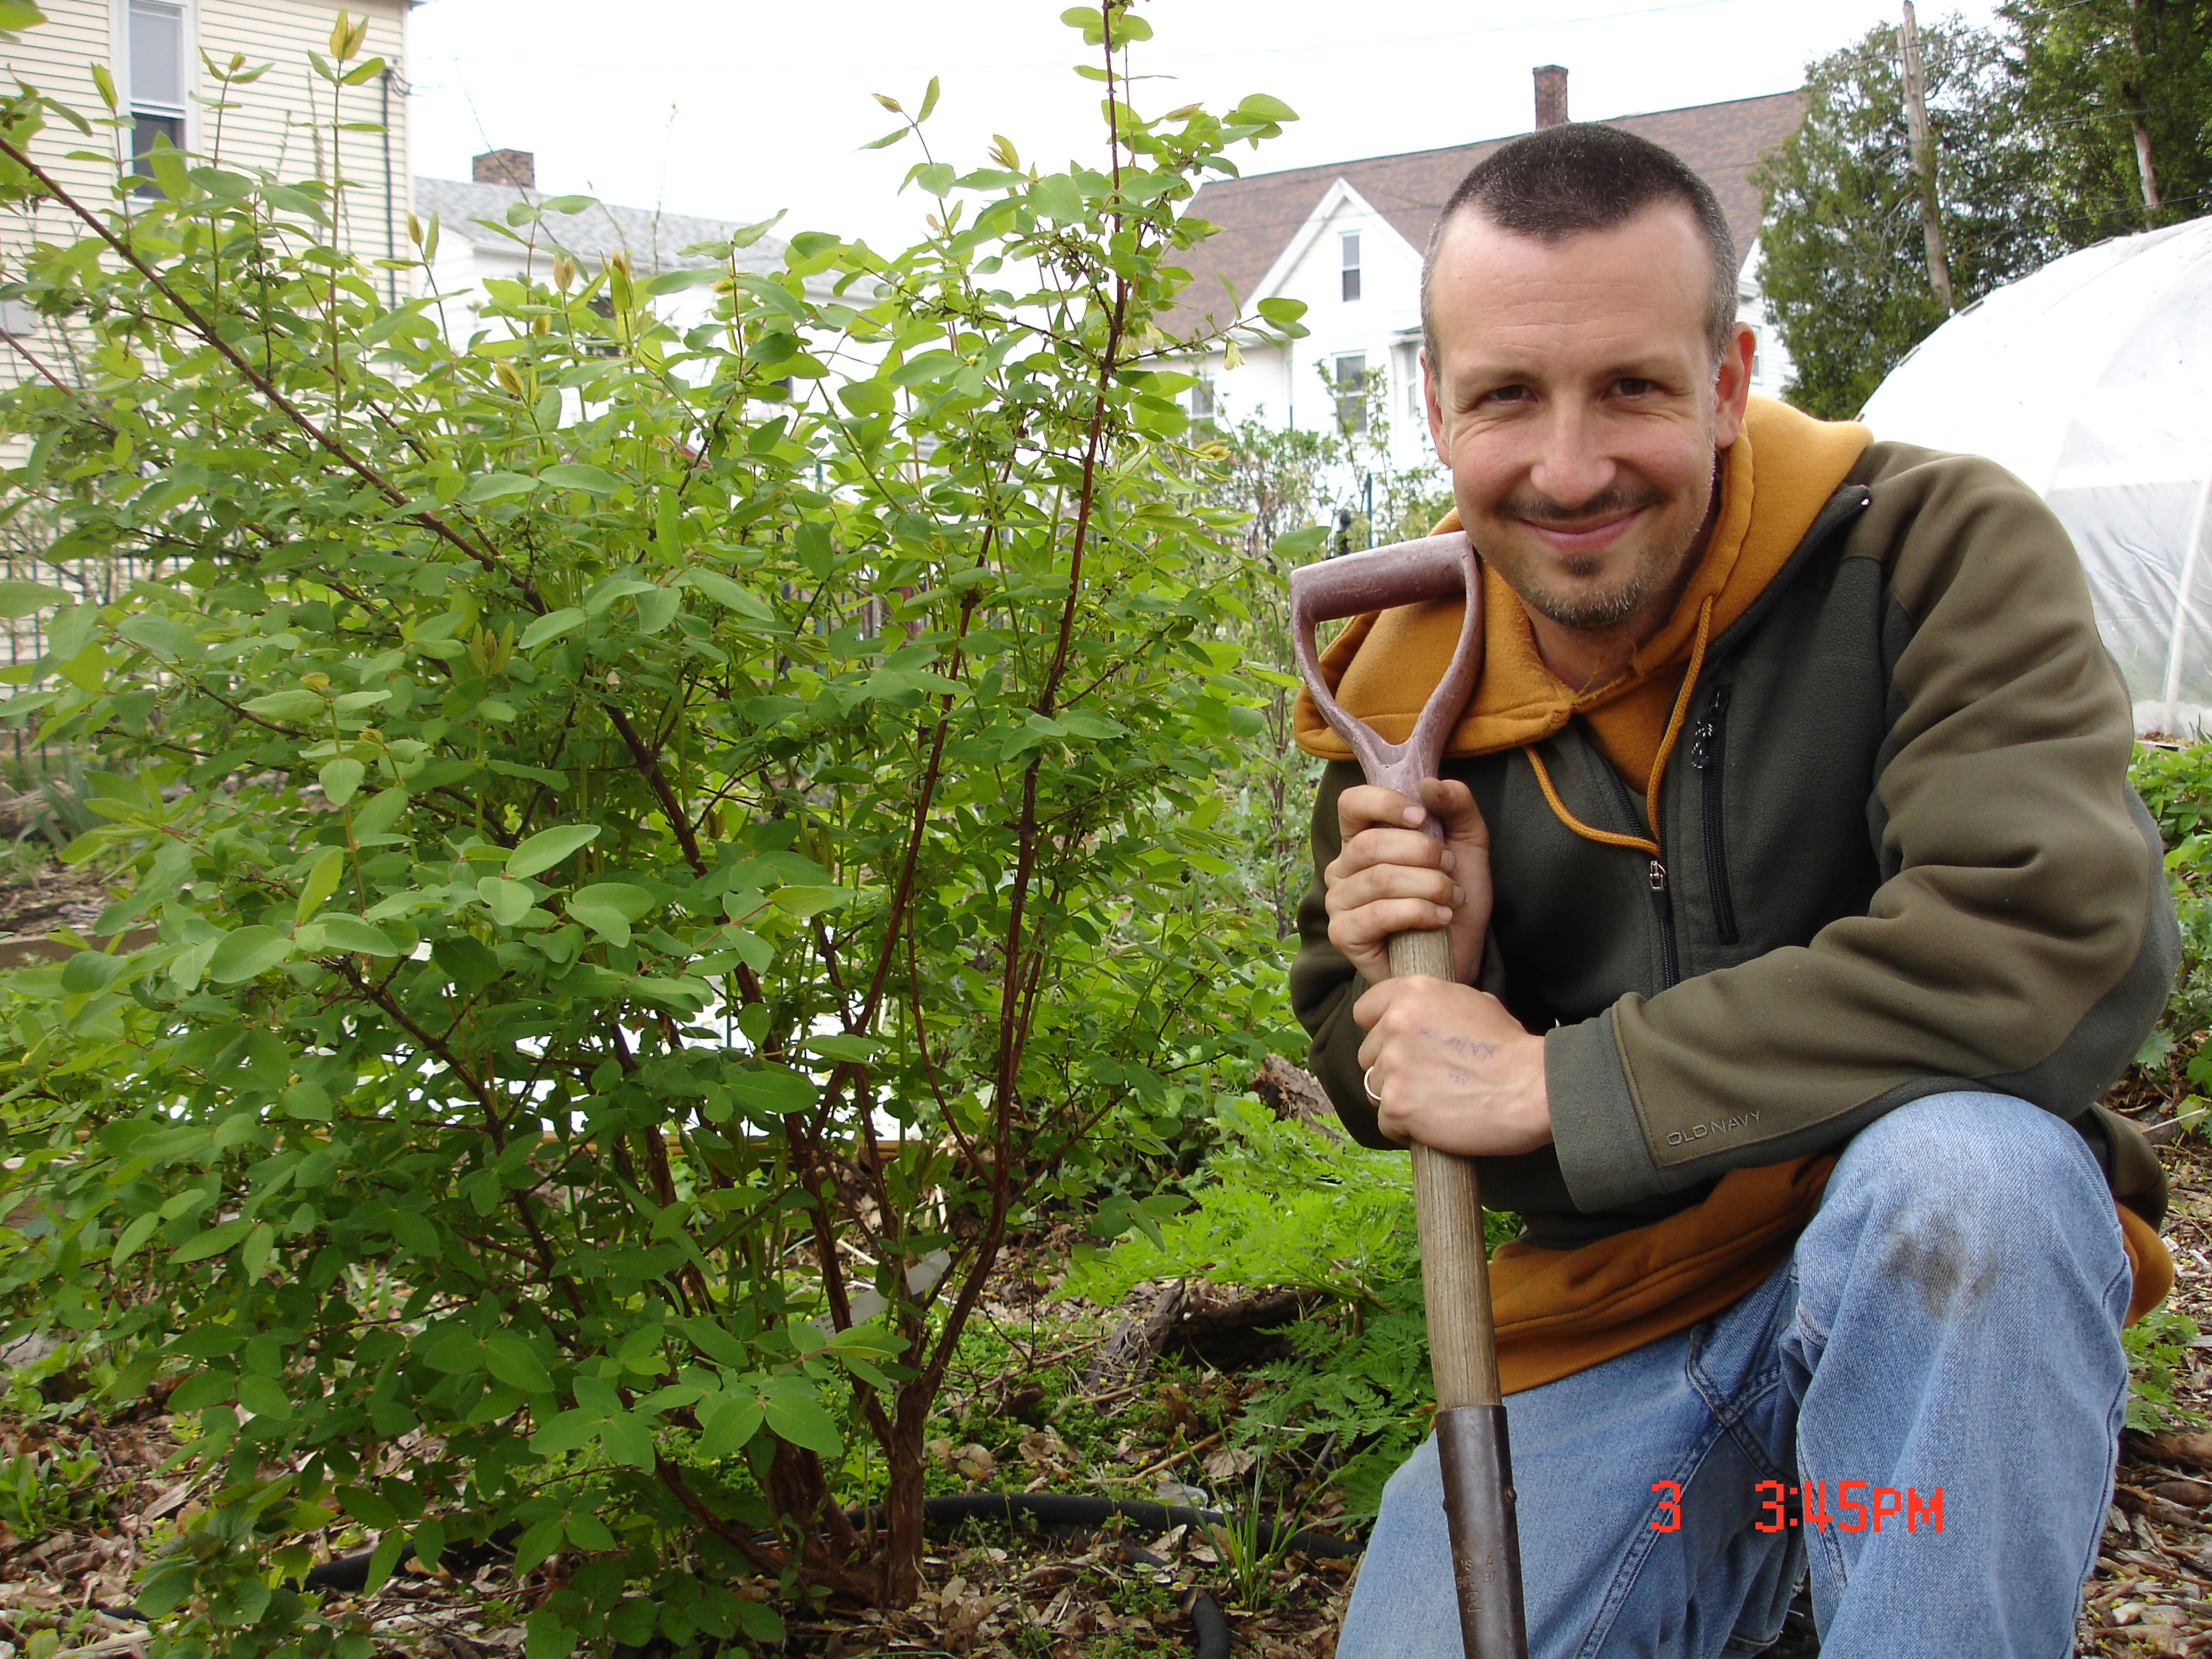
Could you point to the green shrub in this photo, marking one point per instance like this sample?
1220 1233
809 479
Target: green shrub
590 787
40 1490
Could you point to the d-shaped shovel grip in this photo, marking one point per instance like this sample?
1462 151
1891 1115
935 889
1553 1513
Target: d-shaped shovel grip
1470 1422
1405 573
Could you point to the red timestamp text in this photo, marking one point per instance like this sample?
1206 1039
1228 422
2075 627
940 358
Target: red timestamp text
1868 1510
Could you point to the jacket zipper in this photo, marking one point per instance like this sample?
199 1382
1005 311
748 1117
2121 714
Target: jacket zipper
1662 903
1705 757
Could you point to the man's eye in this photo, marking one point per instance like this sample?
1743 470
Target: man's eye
1504 394
1630 386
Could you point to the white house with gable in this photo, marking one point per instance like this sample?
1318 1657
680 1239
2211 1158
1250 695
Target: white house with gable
1345 239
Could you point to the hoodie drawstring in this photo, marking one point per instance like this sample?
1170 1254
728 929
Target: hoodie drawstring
1645 844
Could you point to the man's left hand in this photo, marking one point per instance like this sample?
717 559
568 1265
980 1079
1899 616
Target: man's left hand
1453 1070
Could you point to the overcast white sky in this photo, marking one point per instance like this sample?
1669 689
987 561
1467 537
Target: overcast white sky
731 109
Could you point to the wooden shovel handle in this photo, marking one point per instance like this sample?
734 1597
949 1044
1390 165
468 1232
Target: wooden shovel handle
1448 1215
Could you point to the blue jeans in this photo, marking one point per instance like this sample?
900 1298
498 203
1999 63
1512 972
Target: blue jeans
1949 1322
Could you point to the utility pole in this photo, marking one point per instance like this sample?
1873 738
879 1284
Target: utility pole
1923 163
2144 171
2132 94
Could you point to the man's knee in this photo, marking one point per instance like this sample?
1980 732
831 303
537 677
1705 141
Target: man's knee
1970 1146
1946 1193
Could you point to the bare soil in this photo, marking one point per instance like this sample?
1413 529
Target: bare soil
53 895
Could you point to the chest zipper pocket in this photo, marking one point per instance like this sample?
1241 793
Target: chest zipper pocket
1705 752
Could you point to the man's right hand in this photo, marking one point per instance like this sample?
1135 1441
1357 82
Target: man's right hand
1392 878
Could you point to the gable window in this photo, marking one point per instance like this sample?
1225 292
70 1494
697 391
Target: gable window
1351 392
1202 401
155 59
1349 244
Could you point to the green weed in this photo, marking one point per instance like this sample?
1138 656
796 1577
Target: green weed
41 1492
2157 1345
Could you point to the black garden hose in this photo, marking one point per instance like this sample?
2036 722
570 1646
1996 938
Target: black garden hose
1209 1628
1081 1510
350 1573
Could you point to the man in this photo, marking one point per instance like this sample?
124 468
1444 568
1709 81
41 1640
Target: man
1799 911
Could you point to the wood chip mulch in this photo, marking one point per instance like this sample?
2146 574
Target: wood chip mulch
2151 1591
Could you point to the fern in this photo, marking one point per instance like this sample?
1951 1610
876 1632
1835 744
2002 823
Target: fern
1286 1205
1365 1387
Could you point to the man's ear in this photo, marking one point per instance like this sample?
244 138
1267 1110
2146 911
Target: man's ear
1732 385
1436 413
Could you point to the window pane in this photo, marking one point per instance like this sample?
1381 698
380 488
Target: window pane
1350 253
1352 283
157 53
1351 392
144 129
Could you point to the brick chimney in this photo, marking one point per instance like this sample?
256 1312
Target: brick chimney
1551 95
520 167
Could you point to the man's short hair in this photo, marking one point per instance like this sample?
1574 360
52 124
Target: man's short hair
1582 176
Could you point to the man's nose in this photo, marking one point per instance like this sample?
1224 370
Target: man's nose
1571 464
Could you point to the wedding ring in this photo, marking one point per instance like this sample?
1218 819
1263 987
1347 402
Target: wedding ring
1367 1082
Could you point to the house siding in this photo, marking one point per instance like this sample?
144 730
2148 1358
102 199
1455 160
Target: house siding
57 57
270 126
281 121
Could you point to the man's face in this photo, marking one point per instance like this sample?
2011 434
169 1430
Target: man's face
1577 401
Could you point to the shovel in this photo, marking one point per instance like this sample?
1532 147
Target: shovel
1470 1421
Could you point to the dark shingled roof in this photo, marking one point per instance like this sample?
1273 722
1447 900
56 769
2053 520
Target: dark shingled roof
1259 215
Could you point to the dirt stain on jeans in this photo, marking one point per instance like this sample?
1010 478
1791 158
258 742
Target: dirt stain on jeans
1937 1254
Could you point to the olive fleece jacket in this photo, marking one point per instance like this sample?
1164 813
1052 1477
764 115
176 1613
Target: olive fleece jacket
1896 854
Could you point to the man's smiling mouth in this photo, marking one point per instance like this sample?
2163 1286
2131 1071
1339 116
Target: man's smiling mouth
1592 535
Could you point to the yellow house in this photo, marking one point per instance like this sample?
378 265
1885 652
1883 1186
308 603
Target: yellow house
169 61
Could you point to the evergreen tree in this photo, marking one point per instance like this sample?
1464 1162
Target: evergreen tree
1843 262
2120 92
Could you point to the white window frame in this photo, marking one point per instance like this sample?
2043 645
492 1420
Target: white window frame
182 111
1350 284
1406 364
1349 396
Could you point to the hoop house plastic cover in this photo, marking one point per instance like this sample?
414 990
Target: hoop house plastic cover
2089 380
